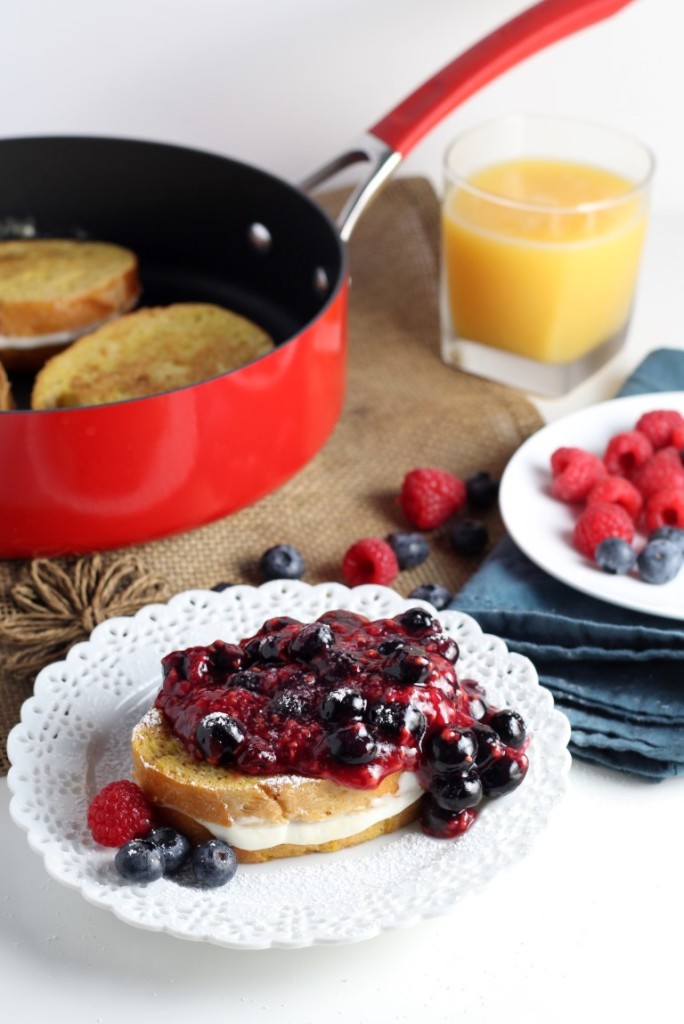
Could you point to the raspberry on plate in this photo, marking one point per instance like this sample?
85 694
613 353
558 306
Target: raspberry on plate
575 471
665 508
659 425
663 470
599 522
617 490
626 452
430 496
370 560
118 813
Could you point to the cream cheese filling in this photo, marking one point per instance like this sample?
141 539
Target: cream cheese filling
253 834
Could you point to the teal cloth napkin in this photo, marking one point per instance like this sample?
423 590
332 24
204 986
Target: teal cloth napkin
617 674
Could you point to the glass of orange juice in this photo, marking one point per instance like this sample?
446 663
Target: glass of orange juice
543 224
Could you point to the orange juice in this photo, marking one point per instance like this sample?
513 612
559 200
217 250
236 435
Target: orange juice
541 257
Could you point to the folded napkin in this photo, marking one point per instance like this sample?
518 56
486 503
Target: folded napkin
617 674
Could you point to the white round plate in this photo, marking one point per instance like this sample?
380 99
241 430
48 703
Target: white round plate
74 738
542 526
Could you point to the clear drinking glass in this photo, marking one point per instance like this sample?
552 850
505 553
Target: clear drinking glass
543 223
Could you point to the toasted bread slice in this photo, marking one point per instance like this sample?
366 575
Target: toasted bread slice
189 794
148 352
52 290
6 400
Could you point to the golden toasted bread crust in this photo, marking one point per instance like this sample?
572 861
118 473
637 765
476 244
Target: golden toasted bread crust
185 790
148 352
59 287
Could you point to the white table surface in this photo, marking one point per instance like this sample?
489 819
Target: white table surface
585 928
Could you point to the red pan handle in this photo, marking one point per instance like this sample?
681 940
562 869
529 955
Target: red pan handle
535 28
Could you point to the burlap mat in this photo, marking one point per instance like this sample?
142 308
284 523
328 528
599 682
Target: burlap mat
404 409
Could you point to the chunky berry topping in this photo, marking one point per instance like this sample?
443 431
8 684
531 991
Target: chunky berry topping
348 699
370 560
118 813
430 496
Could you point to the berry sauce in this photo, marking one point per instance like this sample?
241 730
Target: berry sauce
351 700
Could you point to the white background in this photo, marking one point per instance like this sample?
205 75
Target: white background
583 929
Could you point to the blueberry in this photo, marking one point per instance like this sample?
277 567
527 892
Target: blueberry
469 537
139 861
616 556
408 665
213 863
288 704
343 705
352 744
410 548
482 491
246 680
502 775
391 720
509 727
443 824
311 641
337 665
660 561
218 736
175 847
451 748
477 708
220 587
434 593
457 791
267 649
282 562
387 646
417 620
489 746
673 533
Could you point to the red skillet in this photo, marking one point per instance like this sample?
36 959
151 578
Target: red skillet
211 229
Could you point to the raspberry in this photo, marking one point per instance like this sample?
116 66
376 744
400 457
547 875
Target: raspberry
430 496
663 470
626 452
120 812
659 425
598 522
677 439
616 490
370 560
575 472
665 508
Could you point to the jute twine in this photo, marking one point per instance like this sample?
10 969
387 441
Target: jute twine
404 408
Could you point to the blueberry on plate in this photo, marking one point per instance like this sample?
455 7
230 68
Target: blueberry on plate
434 593
282 562
410 548
509 727
175 847
660 561
139 861
213 863
616 556
673 533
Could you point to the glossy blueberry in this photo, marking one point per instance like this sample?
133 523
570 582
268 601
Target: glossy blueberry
225 658
509 727
444 824
417 620
660 561
387 646
457 791
408 665
246 680
616 556
352 744
482 490
311 641
390 720
213 863
343 705
673 533
289 705
268 649
218 737
139 861
489 745
477 708
282 562
175 847
502 775
336 665
469 537
451 748
434 593
411 549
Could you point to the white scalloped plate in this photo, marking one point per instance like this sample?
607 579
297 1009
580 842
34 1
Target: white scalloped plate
73 739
